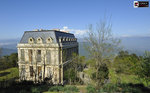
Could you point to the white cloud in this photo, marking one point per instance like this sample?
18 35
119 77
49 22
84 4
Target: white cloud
76 32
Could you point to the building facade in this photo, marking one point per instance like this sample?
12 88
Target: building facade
44 55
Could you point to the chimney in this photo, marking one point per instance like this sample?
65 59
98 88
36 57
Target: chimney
56 29
36 30
41 29
65 29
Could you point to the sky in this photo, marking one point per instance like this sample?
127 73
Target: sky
17 16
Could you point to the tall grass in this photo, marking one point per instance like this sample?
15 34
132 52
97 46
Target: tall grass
12 73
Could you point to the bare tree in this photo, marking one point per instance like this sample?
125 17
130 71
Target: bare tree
101 45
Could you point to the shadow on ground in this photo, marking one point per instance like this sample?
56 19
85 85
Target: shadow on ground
4 74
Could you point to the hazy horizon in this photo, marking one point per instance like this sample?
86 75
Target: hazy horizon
136 45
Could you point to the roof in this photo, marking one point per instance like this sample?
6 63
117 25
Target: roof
44 34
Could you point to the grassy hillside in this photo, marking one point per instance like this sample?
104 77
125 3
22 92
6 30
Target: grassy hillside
122 78
9 74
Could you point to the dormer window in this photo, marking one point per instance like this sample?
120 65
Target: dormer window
67 39
49 40
39 40
64 39
30 40
60 39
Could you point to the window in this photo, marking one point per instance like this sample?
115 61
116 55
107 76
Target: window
30 40
60 39
55 75
39 40
30 55
49 40
38 55
48 57
64 39
67 39
31 71
39 71
54 55
22 55
49 72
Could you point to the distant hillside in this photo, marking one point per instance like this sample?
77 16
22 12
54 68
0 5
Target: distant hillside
9 46
9 43
136 45
6 51
82 51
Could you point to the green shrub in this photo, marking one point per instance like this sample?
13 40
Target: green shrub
43 88
35 90
66 89
23 91
56 88
71 88
102 75
111 88
127 88
91 89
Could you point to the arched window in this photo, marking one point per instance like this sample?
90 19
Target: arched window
64 39
67 39
39 40
49 40
60 39
30 40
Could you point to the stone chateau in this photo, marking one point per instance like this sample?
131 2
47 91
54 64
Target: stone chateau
44 54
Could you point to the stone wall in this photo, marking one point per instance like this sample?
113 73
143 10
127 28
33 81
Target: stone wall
53 69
